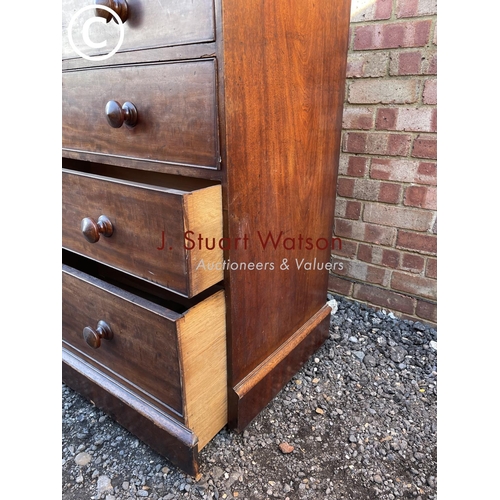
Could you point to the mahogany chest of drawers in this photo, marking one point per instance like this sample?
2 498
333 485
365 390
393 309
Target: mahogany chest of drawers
199 174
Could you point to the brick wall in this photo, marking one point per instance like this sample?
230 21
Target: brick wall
386 193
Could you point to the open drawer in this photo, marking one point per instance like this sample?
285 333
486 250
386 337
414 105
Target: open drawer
147 364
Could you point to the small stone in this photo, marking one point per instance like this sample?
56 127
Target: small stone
353 339
125 485
79 479
433 344
320 411
377 479
142 493
398 354
83 459
315 380
104 484
370 360
286 448
359 354
334 305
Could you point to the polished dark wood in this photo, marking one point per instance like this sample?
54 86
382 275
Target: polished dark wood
92 230
117 115
255 104
120 7
283 67
145 420
149 223
143 352
94 337
176 104
149 24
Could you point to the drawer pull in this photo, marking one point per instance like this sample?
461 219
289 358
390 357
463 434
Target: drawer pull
93 337
117 114
92 230
118 6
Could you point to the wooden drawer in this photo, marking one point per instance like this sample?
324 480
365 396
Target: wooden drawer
176 108
148 24
174 360
149 229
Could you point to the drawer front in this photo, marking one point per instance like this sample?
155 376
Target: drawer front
149 228
176 109
148 24
143 352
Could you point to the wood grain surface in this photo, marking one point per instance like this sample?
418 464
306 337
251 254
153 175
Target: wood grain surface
283 66
176 104
149 228
149 24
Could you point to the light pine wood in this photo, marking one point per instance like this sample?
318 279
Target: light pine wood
203 216
202 348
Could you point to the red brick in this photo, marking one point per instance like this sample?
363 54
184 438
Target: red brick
357 118
421 196
365 252
383 91
343 228
427 311
389 192
348 250
357 166
384 298
406 119
370 11
377 276
367 64
406 218
390 258
366 189
417 241
431 268
368 233
416 285
430 91
425 147
392 35
348 209
386 118
345 187
413 263
413 8
339 285
404 171
380 235
377 143
405 63
353 210
429 65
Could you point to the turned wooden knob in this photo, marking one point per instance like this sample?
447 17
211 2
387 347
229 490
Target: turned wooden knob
118 6
93 337
117 114
92 230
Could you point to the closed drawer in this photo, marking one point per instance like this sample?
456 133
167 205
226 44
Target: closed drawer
148 24
175 360
154 231
176 109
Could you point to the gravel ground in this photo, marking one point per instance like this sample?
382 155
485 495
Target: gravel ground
357 422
